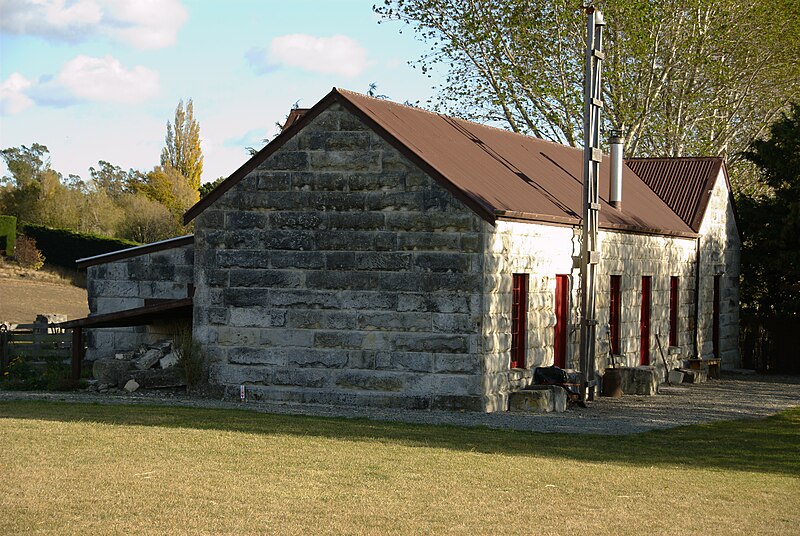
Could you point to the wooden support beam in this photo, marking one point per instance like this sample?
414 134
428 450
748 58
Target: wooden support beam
77 352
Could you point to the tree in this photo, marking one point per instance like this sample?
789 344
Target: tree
113 180
206 188
770 225
168 186
681 76
182 150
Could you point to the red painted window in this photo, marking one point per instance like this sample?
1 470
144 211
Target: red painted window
715 333
644 323
614 315
673 310
519 320
562 321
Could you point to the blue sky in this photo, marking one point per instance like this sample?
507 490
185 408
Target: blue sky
98 79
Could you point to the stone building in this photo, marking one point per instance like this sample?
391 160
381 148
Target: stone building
379 254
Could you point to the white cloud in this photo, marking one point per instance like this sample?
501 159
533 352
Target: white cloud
141 23
12 94
85 78
337 54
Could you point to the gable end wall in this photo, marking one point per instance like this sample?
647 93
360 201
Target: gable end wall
338 273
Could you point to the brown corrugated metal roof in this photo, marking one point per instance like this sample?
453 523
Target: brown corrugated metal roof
495 172
684 184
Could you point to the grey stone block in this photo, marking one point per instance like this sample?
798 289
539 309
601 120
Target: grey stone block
318 358
259 356
640 380
371 381
257 317
457 363
346 160
295 220
297 259
111 372
538 399
148 359
265 278
272 180
242 258
410 361
427 342
355 221
159 378
285 160
395 321
338 339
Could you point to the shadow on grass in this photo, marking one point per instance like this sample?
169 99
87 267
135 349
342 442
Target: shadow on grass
770 445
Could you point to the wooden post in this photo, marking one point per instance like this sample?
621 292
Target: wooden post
77 352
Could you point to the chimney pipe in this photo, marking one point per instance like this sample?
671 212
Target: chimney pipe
616 142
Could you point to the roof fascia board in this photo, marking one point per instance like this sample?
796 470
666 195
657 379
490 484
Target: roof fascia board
135 251
528 217
128 317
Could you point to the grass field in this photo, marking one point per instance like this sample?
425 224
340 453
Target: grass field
92 469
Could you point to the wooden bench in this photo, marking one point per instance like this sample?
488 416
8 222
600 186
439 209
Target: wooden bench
711 365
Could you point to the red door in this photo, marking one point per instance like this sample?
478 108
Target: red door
562 319
614 314
519 320
715 328
644 323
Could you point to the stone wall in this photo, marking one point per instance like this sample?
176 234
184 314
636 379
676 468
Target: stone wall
720 249
125 284
338 273
544 251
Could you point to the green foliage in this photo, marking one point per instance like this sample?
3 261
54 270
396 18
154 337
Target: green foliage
147 220
206 188
191 358
113 180
8 234
27 254
683 77
182 150
52 375
63 247
770 225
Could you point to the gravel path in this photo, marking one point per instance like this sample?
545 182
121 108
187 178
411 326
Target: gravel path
735 396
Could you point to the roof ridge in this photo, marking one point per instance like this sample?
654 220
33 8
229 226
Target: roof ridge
344 93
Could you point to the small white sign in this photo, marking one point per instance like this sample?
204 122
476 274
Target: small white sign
241 392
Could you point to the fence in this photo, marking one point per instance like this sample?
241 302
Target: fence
35 343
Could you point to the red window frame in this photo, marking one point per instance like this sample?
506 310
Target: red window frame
562 321
674 287
519 320
644 321
716 313
614 314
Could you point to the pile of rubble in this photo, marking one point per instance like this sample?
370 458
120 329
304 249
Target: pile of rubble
150 367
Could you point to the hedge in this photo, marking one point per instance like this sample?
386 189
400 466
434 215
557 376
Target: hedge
62 247
8 234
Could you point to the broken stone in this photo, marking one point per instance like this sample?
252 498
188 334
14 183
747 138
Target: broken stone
148 359
111 372
131 386
159 378
693 376
675 377
169 360
640 380
124 355
538 399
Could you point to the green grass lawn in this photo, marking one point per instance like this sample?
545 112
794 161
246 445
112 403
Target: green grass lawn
92 469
